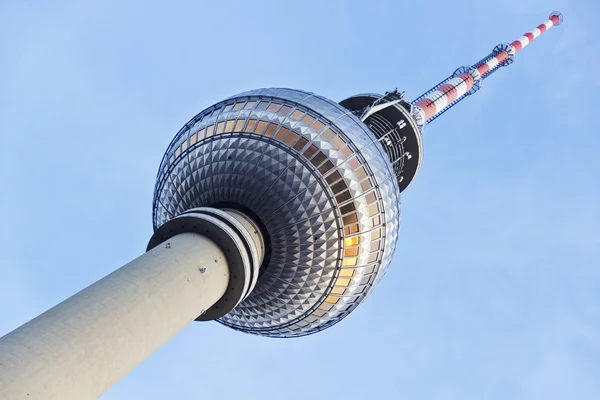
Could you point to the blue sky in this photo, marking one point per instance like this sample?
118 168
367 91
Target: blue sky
494 291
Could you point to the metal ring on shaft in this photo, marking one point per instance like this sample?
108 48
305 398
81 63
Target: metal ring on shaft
243 256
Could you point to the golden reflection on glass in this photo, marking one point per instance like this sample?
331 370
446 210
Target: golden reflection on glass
338 290
342 282
297 115
352 241
285 110
329 134
291 139
346 152
360 173
239 125
371 198
318 126
251 125
308 120
349 261
373 209
273 107
271 129
366 184
260 127
351 252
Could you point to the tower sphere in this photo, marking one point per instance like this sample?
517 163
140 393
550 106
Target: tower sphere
319 183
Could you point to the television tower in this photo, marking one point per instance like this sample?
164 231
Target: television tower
276 212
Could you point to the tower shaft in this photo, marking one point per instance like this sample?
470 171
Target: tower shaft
84 345
466 80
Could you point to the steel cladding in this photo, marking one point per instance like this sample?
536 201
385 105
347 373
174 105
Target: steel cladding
319 182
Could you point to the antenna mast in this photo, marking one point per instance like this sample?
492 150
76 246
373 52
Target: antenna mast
467 80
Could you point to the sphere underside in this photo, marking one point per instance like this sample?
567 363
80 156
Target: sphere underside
318 181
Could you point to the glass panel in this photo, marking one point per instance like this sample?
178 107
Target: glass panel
310 151
333 177
351 252
193 139
332 300
339 187
220 127
291 139
349 261
328 165
319 313
329 134
318 159
184 146
346 152
371 198
318 126
360 173
308 120
366 184
354 163
350 219
376 234
301 143
375 245
209 130
262 105
281 134
347 272
271 129
342 282
238 106
349 230
260 127
239 125
338 290
250 105
285 110
229 125
352 241
373 209
325 306
373 257
342 197
177 152
251 125
297 114
228 107
337 142
347 208
273 107
375 221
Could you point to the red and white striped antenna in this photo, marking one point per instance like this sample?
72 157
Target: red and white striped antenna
467 80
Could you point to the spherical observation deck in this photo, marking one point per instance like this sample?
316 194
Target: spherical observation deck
316 181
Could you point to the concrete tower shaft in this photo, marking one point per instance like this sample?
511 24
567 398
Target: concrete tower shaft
84 345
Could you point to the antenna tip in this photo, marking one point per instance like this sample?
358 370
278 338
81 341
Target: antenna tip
558 15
